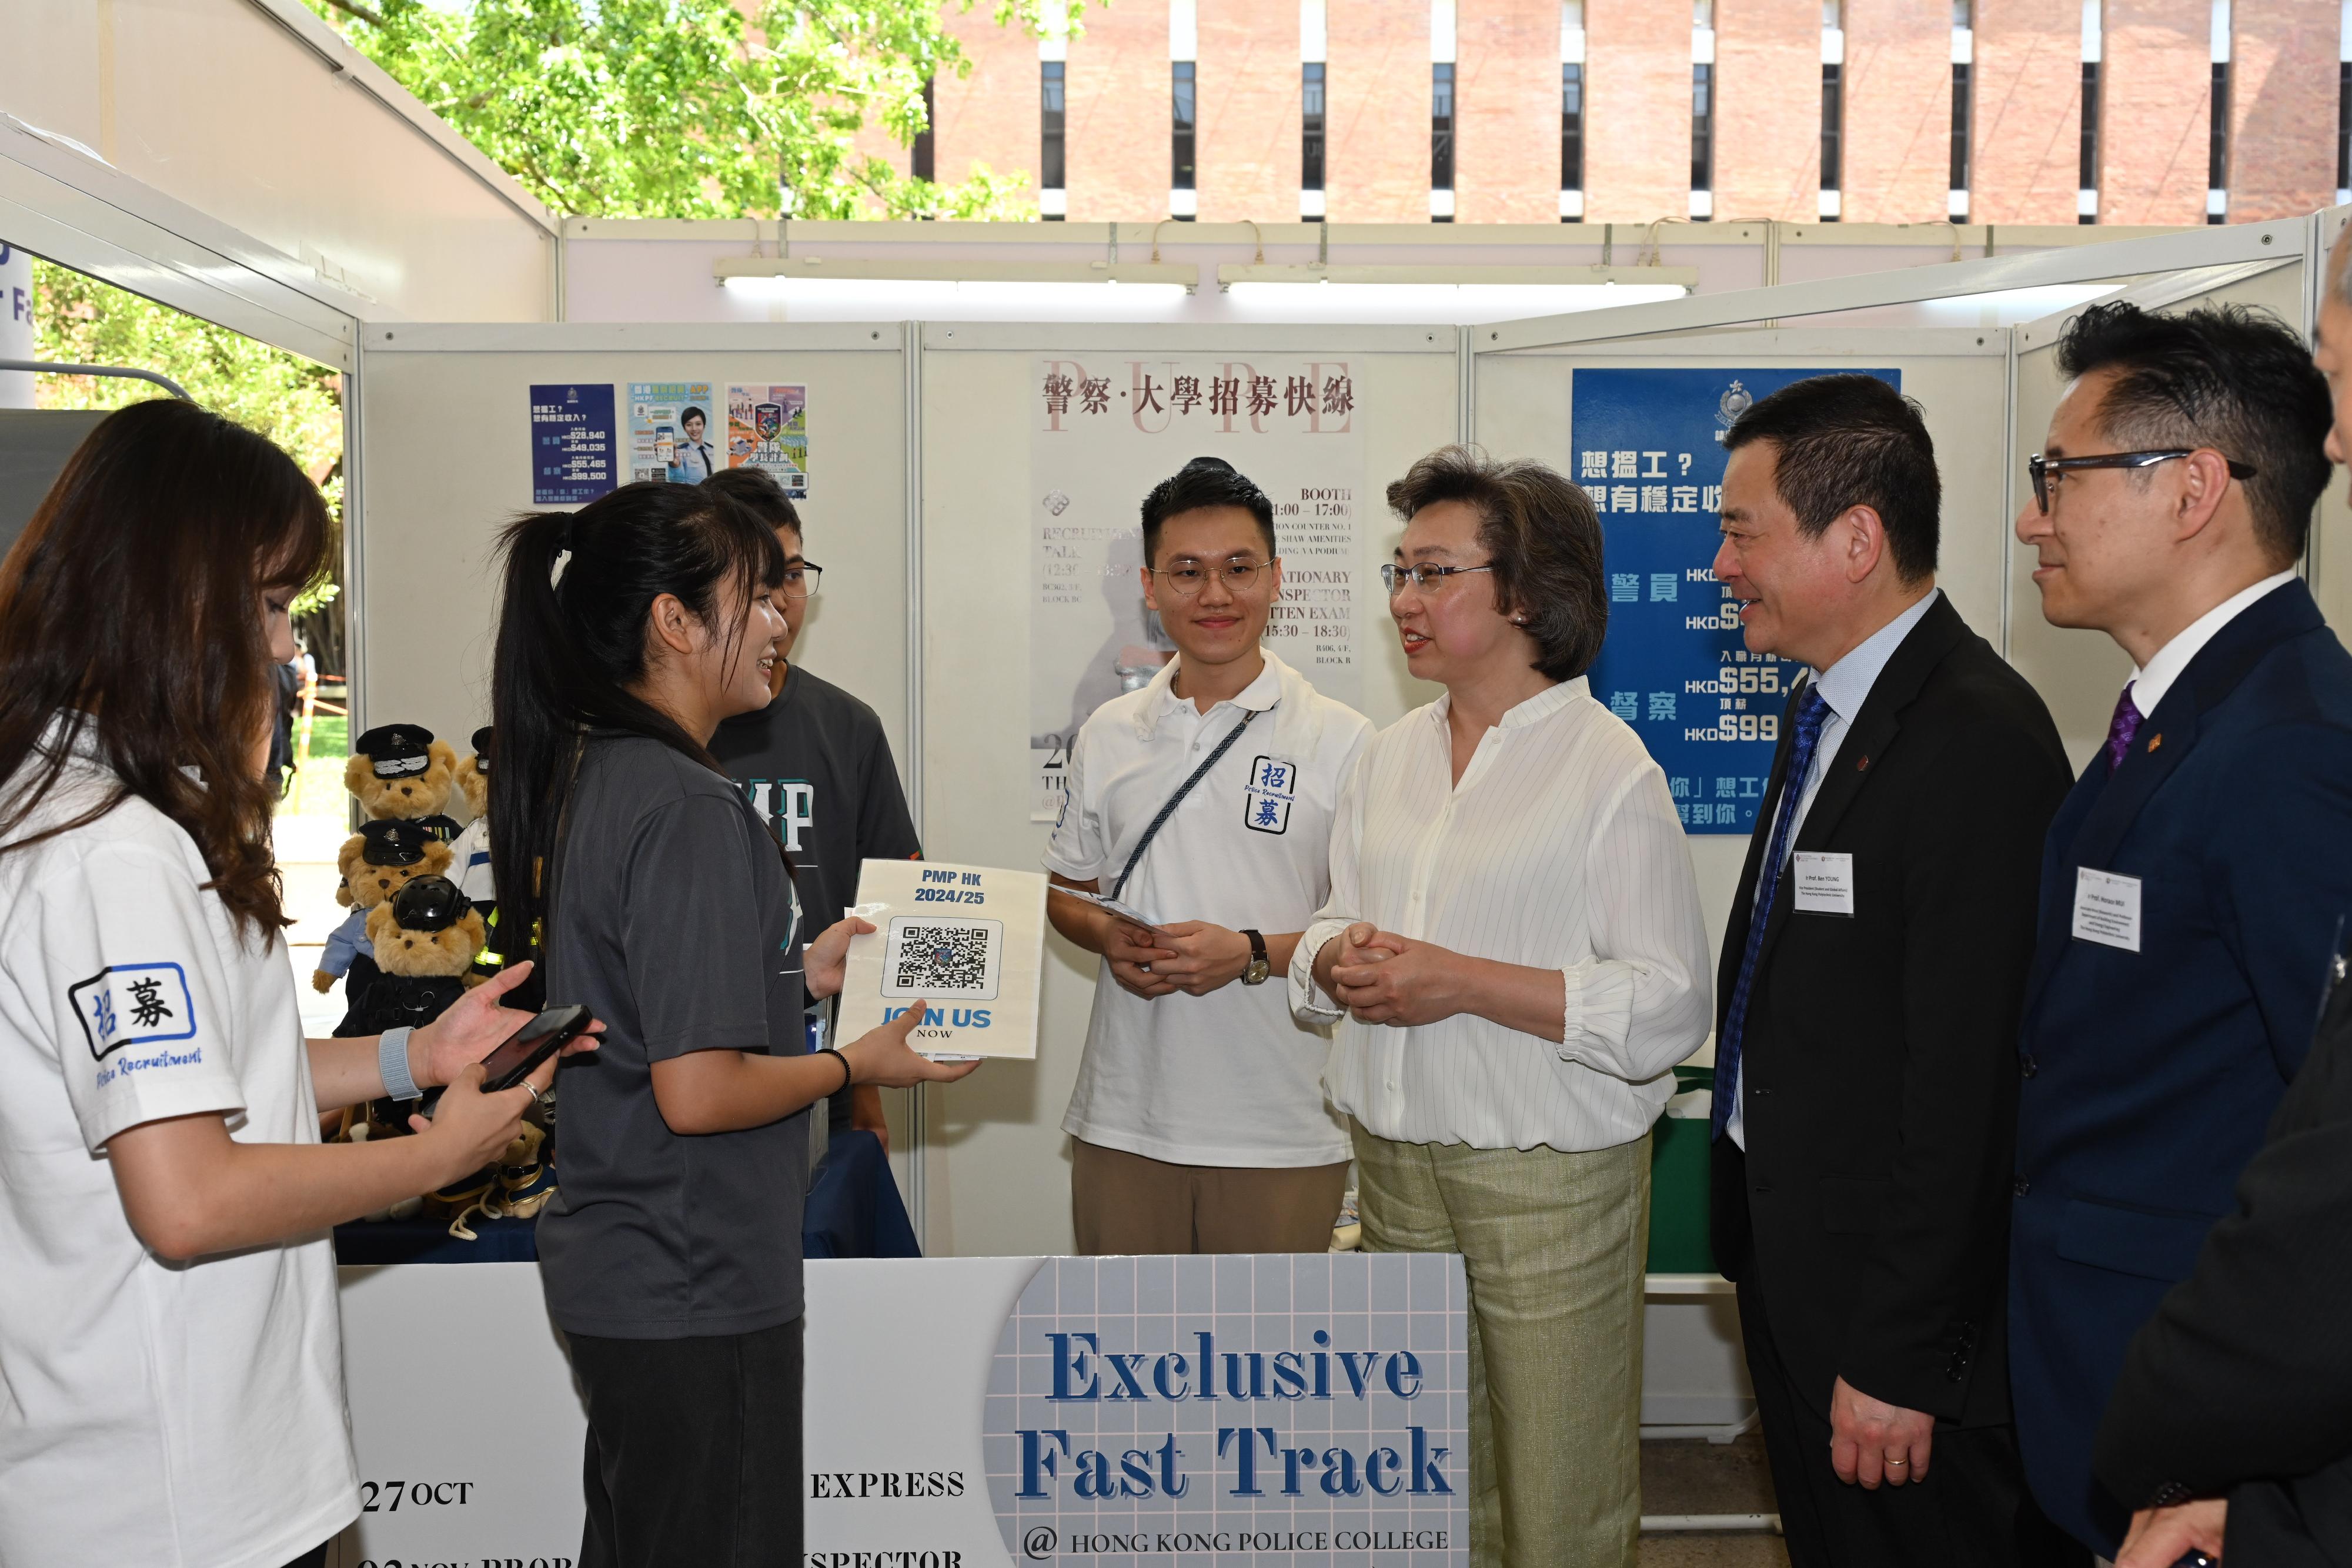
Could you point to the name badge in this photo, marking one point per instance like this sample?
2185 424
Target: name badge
1823 883
2106 909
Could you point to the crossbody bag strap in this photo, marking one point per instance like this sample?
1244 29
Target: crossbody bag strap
1143 843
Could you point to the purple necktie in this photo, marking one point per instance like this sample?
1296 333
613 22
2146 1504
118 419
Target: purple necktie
2121 727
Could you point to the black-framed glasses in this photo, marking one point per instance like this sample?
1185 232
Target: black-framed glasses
801 580
1421 575
2041 467
1238 575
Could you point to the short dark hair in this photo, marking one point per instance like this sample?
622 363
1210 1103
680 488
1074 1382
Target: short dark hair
1543 539
1849 441
693 412
760 491
1203 482
2228 377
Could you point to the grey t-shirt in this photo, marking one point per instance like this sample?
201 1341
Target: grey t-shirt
675 923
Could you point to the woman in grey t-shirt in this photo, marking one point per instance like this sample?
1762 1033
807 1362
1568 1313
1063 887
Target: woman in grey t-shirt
671 1258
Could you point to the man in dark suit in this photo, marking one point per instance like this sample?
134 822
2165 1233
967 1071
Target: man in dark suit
2193 879
2236 1401
1865 1065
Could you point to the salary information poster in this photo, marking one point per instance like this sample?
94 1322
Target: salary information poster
1675 666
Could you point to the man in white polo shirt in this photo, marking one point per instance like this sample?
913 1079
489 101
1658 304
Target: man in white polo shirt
1198 1122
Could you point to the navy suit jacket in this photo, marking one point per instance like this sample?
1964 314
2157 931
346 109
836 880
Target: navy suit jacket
2150 1077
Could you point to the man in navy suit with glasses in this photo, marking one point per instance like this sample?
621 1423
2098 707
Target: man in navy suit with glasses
2193 880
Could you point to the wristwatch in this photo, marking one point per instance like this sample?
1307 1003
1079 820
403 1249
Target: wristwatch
1258 967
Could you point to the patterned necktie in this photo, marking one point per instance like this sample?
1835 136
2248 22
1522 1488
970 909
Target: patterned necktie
2123 727
1812 709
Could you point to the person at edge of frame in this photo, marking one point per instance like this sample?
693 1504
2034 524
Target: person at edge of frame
1515 940
2234 1406
2196 875
171 1347
1868 993
816 765
1198 1122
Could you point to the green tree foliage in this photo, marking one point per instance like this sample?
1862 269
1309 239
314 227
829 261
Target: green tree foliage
293 401
690 108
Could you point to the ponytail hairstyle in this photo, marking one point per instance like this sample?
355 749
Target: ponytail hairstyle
579 593
133 618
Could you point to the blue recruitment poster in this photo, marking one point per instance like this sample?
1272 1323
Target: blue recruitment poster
1649 451
573 443
670 433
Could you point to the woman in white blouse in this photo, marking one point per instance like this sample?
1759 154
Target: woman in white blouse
1513 935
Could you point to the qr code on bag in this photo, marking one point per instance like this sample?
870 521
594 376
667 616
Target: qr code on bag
943 958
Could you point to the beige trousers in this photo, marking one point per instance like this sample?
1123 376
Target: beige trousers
1555 1246
1123 1204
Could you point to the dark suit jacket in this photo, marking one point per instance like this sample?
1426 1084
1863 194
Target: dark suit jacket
1879 1051
2243 1382
2151 1075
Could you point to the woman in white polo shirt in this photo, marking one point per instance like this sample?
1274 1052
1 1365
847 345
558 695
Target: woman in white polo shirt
171 1368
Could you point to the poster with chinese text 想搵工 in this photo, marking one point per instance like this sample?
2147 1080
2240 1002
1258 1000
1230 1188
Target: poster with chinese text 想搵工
1675 666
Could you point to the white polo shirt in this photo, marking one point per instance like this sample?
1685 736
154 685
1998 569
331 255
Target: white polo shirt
1231 1078
150 1412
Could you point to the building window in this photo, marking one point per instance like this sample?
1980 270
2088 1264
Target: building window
2217 148
1051 180
2343 132
1702 138
1310 128
1183 100
1571 128
925 166
2088 178
1440 138
1832 134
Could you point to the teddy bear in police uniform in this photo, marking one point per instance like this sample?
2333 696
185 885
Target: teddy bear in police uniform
424 938
400 770
376 863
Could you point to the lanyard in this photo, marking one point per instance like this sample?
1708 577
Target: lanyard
1119 887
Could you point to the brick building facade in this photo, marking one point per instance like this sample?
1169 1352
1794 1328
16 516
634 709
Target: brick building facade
1635 110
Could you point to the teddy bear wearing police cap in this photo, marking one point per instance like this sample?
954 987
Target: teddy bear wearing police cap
400 770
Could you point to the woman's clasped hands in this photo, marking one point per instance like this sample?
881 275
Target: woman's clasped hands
1381 978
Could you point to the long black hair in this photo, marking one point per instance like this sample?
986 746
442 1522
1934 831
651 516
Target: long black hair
580 589
131 616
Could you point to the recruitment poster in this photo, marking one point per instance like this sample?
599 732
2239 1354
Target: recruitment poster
767 427
1106 427
670 433
1649 451
573 443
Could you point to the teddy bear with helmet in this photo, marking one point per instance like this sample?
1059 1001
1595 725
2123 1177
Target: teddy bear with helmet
424 938
376 863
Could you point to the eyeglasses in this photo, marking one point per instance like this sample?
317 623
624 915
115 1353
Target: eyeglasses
801 581
1238 575
1422 576
2041 467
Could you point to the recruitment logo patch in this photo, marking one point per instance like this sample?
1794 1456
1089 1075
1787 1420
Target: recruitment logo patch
133 1004
1272 786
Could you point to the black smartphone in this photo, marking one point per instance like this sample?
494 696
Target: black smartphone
532 1044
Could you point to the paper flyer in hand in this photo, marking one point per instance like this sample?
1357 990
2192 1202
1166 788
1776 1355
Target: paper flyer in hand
969 941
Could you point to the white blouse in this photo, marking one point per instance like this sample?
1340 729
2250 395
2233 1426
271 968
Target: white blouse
1561 849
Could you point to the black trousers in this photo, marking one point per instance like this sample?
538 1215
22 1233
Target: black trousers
694 1450
1972 1512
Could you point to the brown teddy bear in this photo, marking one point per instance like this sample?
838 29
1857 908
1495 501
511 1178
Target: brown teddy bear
472 777
377 862
424 937
400 770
